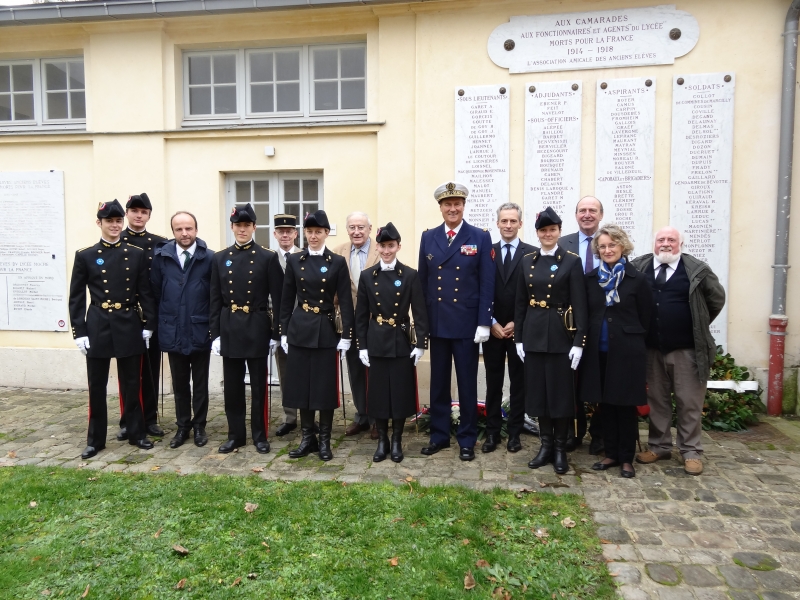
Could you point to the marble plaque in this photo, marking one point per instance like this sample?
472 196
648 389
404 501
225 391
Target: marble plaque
482 148
622 37
33 287
552 151
624 155
702 162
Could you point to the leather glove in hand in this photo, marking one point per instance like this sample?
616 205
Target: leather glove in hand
482 334
416 354
575 356
216 346
363 356
83 344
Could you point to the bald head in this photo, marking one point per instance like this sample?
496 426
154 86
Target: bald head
588 214
667 244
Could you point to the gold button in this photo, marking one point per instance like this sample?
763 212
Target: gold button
231 291
440 267
251 262
103 271
548 295
456 278
127 268
440 299
548 285
126 258
454 300
456 289
106 291
105 280
302 268
438 288
396 304
530 275
552 276
249 282
127 289
229 272
457 268
376 283
230 252
127 279
439 278
322 290
323 281
378 304
251 272
398 293
230 282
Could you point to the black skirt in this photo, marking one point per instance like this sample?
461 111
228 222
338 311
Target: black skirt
549 385
312 378
392 388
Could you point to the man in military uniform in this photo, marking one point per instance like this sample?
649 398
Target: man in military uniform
137 211
116 274
457 273
244 277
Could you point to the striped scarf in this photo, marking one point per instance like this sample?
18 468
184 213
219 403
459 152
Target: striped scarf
610 280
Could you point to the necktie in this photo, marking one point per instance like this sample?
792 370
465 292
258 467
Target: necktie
450 235
588 265
186 259
355 265
286 256
661 279
507 260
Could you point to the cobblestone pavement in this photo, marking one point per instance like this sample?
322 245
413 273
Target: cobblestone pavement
733 532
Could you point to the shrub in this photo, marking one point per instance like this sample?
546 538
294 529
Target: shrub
727 410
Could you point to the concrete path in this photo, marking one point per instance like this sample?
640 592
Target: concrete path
732 533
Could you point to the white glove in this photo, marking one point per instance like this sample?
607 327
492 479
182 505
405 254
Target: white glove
273 345
363 356
83 344
343 346
520 352
285 344
482 334
146 335
575 356
416 354
216 346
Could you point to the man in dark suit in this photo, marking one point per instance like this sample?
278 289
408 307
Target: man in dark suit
588 214
508 252
457 276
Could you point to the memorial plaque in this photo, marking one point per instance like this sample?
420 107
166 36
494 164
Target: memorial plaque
625 146
482 147
552 151
702 161
623 37
33 288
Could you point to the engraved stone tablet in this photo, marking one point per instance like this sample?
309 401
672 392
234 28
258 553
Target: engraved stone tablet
482 146
624 155
623 37
702 161
33 289
552 151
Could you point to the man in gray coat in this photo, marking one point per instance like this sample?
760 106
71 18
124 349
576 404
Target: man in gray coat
687 297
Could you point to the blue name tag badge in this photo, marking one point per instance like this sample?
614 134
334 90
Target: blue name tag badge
323 269
397 283
228 263
554 268
100 261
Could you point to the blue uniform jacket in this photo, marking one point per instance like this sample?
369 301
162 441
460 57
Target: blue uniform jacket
457 280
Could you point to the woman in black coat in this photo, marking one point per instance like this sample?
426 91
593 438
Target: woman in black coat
614 366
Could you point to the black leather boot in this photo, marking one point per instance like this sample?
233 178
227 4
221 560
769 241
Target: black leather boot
382 425
560 432
308 443
545 455
397 439
325 427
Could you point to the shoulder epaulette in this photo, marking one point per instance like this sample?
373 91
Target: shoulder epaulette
571 252
270 249
82 249
135 246
529 254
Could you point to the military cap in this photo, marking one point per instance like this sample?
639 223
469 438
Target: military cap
285 221
451 189
108 210
139 201
387 233
547 217
317 219
243 214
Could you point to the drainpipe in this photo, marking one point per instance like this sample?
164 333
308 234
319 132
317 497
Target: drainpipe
778 319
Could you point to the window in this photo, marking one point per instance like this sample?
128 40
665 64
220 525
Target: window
42 93
304 83
274 194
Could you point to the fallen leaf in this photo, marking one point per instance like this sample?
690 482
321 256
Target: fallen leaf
409 478
11 454
45 592
614 574
542 484
469 581
501 594
251 575
602 541
344 484
315 555
85 592
180 585
266 545
82 465
568 523
524 587
258 469
541 532
584 520
35 558
236 450
180 550
492 579
158 533
554 513
464 542
250 507
92 479
482 563
395 520
236 582
394 561
155 467
33 504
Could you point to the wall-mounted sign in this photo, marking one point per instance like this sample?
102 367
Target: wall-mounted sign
624 37
482 146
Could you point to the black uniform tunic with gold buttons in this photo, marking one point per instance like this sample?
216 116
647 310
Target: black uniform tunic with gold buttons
312 364
548 286
385 299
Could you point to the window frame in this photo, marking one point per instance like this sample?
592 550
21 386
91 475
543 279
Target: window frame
44 91
311 80
40 122
275 114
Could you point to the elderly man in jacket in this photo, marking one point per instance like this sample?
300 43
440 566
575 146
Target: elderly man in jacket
687 297
180 277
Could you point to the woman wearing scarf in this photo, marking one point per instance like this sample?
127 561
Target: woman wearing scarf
550 288
614 366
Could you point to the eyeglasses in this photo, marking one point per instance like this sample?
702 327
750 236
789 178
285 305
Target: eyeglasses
611 246
356 227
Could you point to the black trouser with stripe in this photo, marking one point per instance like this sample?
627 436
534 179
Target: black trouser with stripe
129 372
233 371
149 384
190 397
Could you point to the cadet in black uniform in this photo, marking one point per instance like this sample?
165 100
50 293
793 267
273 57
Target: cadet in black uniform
243 279
387 292
116 274
138 210
308 333
550 286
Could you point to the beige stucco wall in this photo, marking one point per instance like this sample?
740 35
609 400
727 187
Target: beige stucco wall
417 54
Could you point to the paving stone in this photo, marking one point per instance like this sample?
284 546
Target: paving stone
776 596
655 494
698 576
742 595
777 580
757 561
774 479
785 544
675 594
677 523
709 594
618 552
659 554
647 538
624 573
731 510
633 593
738 577
663 574
796 526
679 540
733 498
613 534
705 557
713 540
681 494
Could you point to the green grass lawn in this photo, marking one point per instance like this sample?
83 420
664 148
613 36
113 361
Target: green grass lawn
115 533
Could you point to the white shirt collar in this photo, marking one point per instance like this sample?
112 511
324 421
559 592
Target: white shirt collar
191 249
456 229
514 243
111 243
319 252
672 263
390 266
582 237
549 252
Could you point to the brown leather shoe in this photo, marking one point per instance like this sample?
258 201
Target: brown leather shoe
374 435
355 428
693 466
648 457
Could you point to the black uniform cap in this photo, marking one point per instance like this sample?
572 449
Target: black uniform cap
139 201
285 221
243 214
387 233
107 210
547 217
317 219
